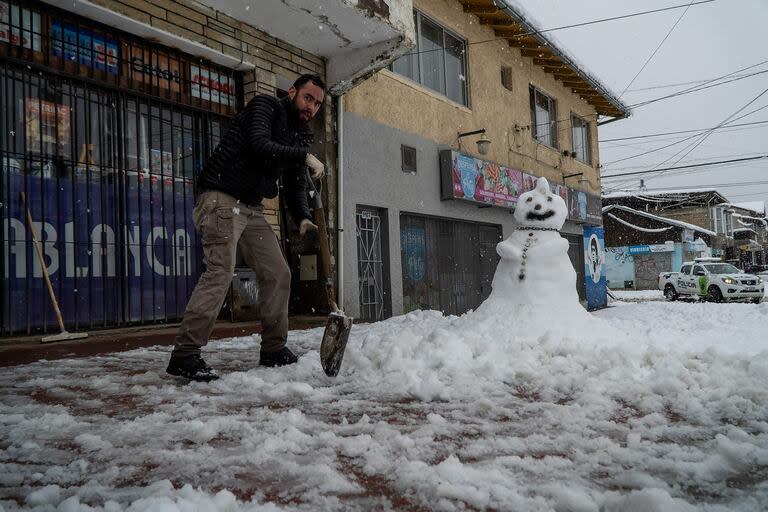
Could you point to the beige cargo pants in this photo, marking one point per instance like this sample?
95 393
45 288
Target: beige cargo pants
224 223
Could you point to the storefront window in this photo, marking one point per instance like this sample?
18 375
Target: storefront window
107 171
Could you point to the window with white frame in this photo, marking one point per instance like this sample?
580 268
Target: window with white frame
722 221
582 146
543 117
716 216
439 60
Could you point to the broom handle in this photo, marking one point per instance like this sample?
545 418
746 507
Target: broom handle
39 252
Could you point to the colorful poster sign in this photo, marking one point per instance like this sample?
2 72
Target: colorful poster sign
210 85
47 126
20 26
529 182
560 190
484 182
594 210
577 205
161 162
413 242
105 267
81 45
594 259
472 179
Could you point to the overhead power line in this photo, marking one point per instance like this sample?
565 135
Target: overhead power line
583 24
661 134
728 184
705 135
705 164
722 168
699 88
679 84
687 138
658 47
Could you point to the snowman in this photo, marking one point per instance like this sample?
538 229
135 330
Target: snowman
535 268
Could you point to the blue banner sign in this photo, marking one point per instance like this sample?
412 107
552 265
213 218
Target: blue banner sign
85 47
414 244
115 251
640 249
594 268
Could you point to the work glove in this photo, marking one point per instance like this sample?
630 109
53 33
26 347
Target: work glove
308 229
317 167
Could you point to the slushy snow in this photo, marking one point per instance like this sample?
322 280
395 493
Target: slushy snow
527 404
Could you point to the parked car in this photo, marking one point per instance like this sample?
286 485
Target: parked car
760 271
712 280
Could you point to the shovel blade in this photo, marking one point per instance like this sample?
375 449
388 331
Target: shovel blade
334 342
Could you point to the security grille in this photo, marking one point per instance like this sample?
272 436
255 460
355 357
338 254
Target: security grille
371 267
104 134
447 264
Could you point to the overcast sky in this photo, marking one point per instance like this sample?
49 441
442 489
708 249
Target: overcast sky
711 40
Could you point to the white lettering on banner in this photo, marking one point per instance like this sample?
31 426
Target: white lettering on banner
48 237
182 252
102 250
158 233
15 246
103 246
132 247
69 253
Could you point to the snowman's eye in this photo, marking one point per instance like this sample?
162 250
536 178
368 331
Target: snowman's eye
549 199
529 200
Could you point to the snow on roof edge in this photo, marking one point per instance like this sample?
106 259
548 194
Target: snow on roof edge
639 193
518 11
672 222
753 206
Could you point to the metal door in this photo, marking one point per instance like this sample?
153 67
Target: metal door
372 271
576 254
448 264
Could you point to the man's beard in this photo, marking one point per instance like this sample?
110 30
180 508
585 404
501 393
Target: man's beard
296 114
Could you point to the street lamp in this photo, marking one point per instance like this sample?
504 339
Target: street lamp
483 143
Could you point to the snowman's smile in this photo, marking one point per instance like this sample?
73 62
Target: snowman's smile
539 216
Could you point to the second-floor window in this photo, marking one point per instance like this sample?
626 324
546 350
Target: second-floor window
543 117
722 221
581 141
438 61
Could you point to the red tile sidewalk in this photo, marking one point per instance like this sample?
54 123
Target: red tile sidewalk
22 350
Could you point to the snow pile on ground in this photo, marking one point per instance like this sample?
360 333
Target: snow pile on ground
647 407
637 295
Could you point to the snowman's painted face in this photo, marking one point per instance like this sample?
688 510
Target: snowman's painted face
541 208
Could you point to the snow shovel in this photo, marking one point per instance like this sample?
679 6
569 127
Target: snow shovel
63 335
338 325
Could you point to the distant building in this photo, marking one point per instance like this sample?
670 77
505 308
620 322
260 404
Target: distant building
651 232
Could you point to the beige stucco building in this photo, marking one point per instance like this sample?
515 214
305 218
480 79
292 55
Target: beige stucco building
421 241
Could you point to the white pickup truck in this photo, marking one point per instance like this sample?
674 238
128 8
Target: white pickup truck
712 280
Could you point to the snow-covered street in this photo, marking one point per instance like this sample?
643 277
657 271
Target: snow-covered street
658 406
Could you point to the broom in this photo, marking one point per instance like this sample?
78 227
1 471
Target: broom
63 335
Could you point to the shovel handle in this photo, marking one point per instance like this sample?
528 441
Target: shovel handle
325 252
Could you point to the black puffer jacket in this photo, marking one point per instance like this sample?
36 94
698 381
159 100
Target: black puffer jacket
262 144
